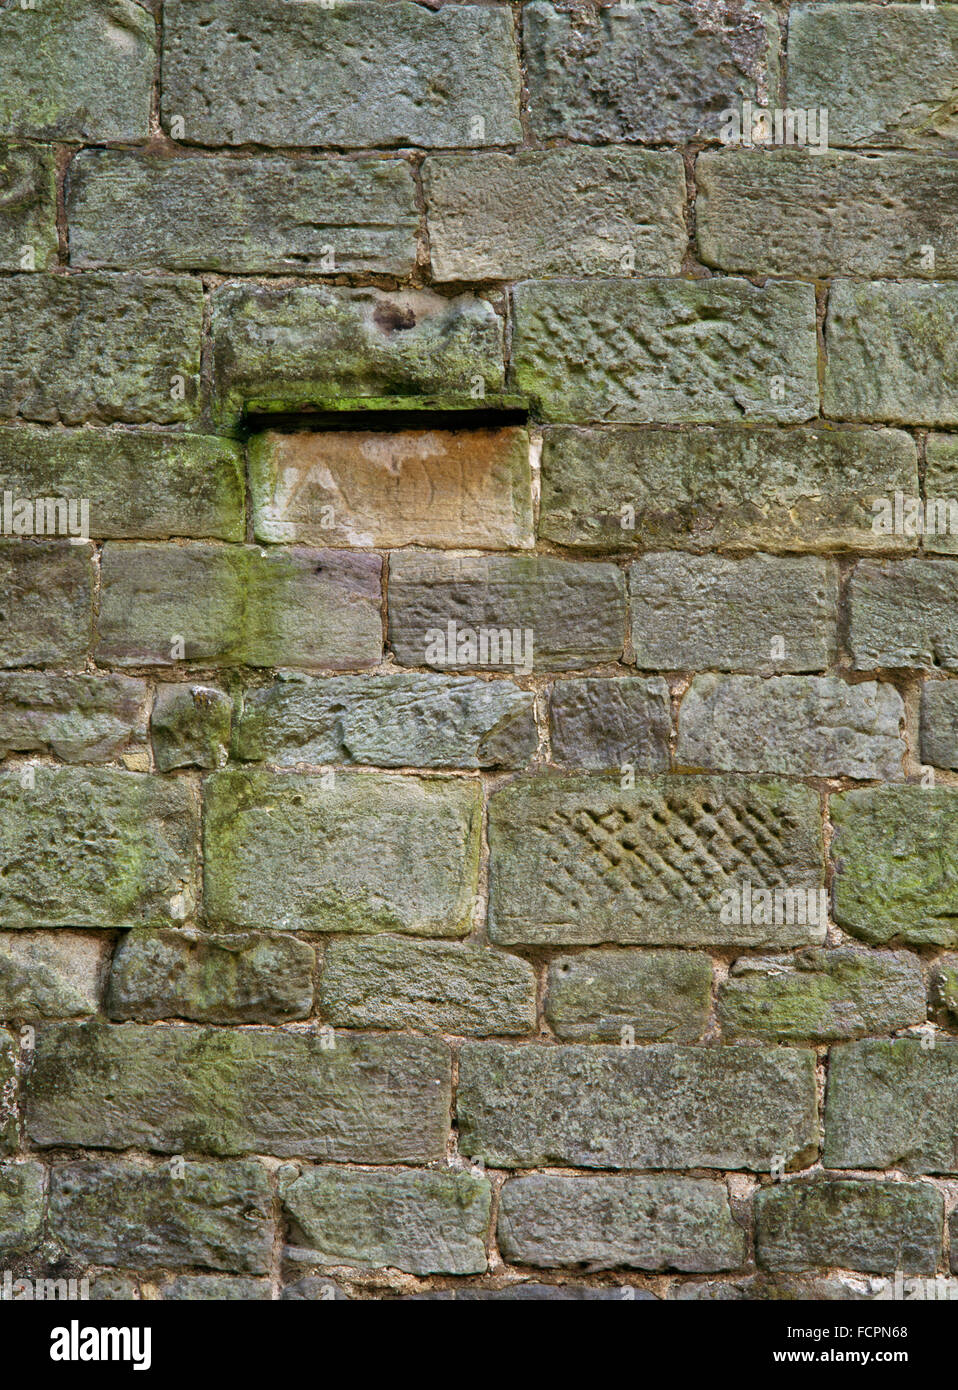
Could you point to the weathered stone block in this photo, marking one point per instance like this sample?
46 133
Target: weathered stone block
445 488
177 1087
50 974
880 1227
764 613
582 860
21 1207
387 982
808 489
324 346
816 726
515 611
651 72
938 519
217 1288
892 351
80 719
139 484
116 1288
100 347
555 212
760 1287
236 978
9 1127
217 1215
390 721
639 1223
825 213
604 724
94 847
358 852
895 851
528 1292
190 726
77 70
939 723
694 351
611 996
893 1105
657 1106
822 996
259 215
886 76
422 1222
161 604
944 988
28 197
345 75
902 614
48 603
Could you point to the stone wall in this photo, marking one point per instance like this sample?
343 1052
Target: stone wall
479 814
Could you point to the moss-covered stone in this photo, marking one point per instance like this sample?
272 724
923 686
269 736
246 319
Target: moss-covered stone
656 1106
893 1105
9 1127
941 492
239 978
879 1227
704 488
176 1088
77 70
79 719
140 484
46 612
324 346
217 1288
944 991
190 726
821 213
562 211
28 197
606 1222
891 350
821 995
604 724
351 852
512 612
163 604
388 982
211 1215
430 1222
622 350
762 613
886 77
645 71
50 974
895 851
342 74
99 347
903 614
21 1207
816 726
603 996
96 848
939 723
399 720
584 860
256 215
